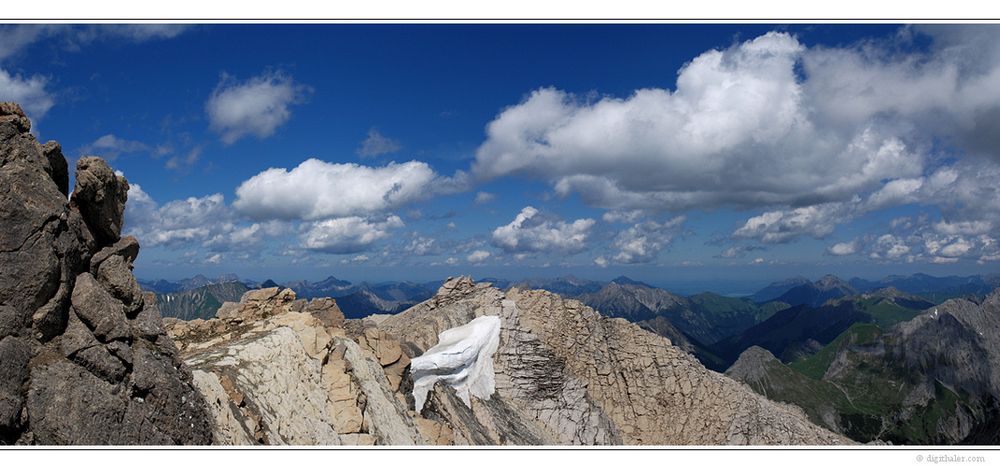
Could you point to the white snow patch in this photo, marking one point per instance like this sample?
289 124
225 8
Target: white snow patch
463 359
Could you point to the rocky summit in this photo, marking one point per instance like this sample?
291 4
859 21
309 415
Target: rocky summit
84 358
279 370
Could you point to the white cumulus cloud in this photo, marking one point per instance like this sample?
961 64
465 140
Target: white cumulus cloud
485 197
109 146
643 241
422 246
29 92
785 225
812 137
316 189
175 223
257 106
478 256
843 249
531 231
738 130
347 235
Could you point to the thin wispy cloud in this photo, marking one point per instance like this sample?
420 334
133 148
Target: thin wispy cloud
110 146
376 144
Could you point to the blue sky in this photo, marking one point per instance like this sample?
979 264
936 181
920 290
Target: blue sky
673 153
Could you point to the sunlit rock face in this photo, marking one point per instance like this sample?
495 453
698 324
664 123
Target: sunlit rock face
463 358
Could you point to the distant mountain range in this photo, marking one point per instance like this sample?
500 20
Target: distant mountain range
928 380
802 329
201 296
201 302
710 325
816 293
568 286
166 286
791 319
800 290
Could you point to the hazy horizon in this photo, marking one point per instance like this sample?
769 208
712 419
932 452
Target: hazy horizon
727 286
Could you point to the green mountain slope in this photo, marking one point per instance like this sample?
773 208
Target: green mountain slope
201 302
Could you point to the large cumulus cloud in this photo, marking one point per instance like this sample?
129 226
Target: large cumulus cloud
809 136
317 189
738 130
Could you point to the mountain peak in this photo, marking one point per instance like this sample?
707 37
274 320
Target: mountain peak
752 364
830 281
623 280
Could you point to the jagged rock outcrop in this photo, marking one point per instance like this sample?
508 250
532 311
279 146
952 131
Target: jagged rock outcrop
276 370
84 358
563 375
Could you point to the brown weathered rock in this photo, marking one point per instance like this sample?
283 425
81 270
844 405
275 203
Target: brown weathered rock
35 218
148 323
435 433
344 404
127 247
100 311
293 363
326 310
12 113
115 274
100 196
73 368
77 337
99 361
